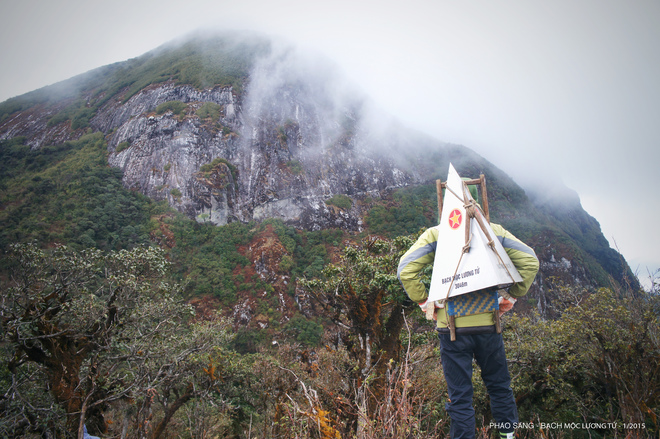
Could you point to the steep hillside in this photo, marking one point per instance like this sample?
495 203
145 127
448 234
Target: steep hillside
236 129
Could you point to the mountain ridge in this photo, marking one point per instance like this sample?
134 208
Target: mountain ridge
282 136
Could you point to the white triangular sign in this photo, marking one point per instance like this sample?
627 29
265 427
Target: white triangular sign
456 272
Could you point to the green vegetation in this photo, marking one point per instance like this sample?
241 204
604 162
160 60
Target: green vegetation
207 168
596 361
21 103
113 330
223 61
309 249
219 62
295 167
122 146
68 194
281 135
78 113
248 341
593 362
341 201
66 90
176 107
209 110
365 362
306 331
176 193
208 258
583 232
363 294
412 208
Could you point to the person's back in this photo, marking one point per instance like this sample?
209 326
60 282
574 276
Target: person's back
475 333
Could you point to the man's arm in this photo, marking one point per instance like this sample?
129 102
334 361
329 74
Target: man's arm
421 254
523 258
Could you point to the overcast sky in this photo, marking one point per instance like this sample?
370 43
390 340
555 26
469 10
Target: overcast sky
566 87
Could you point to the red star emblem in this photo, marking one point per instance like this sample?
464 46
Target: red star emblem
455 219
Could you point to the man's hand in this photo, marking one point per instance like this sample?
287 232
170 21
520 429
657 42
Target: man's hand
506 304
431 310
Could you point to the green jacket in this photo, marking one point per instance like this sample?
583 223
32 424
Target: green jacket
422 253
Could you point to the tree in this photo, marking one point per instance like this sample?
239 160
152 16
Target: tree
617 339
597 362
99 328
364 297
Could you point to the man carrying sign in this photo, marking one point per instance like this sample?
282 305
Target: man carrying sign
475 334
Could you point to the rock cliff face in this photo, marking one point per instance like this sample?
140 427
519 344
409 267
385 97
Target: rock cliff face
294 136
161 154
293 141
279 150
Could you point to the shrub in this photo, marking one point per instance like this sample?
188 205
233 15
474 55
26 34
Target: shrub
412 209
247 341
68 194
176 107
295 167
81 118
281 135
176 193
207 168
286 264
341 201
306 331
78 113
122 146
598 360
111 313
209 110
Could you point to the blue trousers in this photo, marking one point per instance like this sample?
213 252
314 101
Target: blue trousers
488 350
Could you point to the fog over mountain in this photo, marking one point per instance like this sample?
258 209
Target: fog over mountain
563 89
